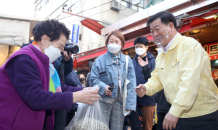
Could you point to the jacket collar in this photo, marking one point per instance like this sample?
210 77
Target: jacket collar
109 59
176 41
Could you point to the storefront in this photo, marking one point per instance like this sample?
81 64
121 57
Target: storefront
195 20
14 32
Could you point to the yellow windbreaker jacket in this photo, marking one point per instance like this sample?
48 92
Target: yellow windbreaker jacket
185 74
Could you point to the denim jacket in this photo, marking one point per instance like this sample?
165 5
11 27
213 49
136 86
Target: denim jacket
105 71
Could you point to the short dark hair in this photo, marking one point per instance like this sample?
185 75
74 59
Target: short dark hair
52 28
142 40
165 17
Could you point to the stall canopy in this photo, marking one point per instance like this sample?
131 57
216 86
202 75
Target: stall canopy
91 56
93 25
128 44
14 32
199 19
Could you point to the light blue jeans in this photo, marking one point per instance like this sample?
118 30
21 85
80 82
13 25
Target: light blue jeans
113 114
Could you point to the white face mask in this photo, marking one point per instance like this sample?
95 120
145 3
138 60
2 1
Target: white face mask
140 51
113 48
53 53
168 34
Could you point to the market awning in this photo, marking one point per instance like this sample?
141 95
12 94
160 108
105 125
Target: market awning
185 28
93 25
91 56
14 32
202 18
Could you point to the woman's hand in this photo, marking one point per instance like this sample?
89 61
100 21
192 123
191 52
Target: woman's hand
87 96
108 92
87 88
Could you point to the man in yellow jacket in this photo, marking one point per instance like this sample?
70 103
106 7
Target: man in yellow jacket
183 70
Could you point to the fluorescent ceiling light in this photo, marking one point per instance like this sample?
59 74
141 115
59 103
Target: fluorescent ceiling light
211 16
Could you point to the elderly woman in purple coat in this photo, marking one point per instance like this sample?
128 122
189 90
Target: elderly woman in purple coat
30 88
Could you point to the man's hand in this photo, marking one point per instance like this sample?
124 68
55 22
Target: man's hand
87 96
142 62
108 92
170 122
66 57
140 90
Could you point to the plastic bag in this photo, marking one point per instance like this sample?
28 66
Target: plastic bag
88 117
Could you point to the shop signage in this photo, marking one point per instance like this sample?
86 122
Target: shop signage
212 50
75 34
215 74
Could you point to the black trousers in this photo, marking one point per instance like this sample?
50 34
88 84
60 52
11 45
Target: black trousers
160 119
205 122
70 116
60 119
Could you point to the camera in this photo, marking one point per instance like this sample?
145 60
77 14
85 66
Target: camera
70 47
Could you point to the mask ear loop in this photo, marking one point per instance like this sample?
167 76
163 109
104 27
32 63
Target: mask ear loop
167 36
44 46
50 42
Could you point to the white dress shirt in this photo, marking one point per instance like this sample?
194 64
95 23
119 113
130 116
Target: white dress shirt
165 49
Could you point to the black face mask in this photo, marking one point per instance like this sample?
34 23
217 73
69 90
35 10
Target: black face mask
81 79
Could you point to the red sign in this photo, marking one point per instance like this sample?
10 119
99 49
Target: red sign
212 50
214 57
215 74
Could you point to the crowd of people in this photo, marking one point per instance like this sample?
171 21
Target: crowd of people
36 96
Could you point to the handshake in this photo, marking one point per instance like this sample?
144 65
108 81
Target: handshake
140 90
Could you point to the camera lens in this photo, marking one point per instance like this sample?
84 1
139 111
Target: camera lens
74 49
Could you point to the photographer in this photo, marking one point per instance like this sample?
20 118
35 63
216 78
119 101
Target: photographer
62 117
70 76
30 86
